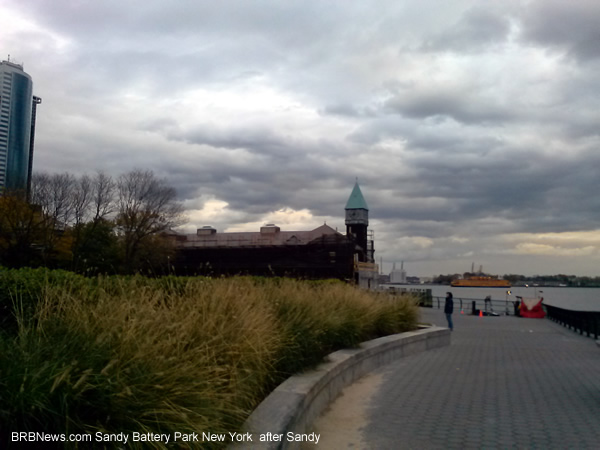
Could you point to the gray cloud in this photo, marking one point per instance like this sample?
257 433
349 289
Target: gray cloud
457 104
476 30
464 124
572 27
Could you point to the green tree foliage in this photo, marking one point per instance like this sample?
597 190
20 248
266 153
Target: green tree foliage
96 248
22 231
446 279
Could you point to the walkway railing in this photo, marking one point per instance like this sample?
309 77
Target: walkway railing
474 305
582 321
587 322
424 295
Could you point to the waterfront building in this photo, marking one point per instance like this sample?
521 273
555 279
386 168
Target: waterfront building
357 223
17 126
319 253
398 276
366 272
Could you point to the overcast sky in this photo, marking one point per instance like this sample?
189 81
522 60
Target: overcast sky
472 126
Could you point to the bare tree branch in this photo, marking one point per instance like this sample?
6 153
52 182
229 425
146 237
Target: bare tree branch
82 198
146 206
103 196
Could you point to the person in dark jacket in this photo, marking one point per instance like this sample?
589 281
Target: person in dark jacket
449 309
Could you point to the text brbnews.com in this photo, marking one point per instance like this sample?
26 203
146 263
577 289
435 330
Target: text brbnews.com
124 438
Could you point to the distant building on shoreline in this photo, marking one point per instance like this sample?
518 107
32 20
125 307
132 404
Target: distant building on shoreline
313 254
398 276
18 107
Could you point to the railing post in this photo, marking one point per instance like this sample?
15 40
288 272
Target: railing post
581 322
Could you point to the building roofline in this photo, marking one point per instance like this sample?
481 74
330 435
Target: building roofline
356 199
12 64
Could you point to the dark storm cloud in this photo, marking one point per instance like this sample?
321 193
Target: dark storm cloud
172 49
256 172
460 105
570 26
462 120
263 141
533 194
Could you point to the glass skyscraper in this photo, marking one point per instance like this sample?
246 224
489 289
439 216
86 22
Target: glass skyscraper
17 126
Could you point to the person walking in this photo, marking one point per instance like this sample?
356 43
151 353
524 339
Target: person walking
449 309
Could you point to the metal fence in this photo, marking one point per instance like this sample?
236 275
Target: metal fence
476 305
423 295
587 322
582 321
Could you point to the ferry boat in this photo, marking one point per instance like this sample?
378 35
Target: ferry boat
480 282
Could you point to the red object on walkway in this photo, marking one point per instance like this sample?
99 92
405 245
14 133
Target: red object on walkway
532 308
480 313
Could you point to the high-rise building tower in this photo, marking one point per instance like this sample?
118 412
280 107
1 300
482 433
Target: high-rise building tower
357 222
17 126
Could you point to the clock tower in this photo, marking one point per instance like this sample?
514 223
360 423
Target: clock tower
357 221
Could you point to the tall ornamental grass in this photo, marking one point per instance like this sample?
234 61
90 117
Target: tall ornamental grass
124 354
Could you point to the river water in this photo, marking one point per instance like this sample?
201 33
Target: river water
580 299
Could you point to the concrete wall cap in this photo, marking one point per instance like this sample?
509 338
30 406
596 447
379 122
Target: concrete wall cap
295 403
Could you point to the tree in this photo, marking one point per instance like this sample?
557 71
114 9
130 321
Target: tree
97 248
103 197
446 279
22 232
61 201
69 201
56 195
94 203
68 205
92 224
156 255
81 199
146 207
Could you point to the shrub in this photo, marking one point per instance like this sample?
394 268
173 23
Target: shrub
124 354
21 289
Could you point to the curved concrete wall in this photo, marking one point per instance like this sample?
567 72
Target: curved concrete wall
299 400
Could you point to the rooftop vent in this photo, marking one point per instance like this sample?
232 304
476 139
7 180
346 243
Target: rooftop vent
270 228
206 230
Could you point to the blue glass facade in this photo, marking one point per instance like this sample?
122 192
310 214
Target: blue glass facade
19 132
16 96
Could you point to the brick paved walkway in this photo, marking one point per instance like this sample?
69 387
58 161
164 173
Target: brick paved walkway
504 382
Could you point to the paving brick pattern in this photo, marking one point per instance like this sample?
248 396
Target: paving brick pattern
503 383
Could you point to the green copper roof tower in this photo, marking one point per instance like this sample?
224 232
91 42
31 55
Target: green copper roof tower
356 200
357 222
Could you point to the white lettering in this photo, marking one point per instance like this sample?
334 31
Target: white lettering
271 437
212 437
150 437
312 437
193 437
112 437
34 436
237 437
